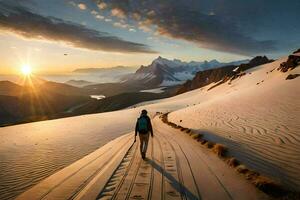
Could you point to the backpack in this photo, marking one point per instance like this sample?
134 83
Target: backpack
143 125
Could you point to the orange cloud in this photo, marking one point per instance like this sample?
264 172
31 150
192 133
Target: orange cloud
118 13
81 6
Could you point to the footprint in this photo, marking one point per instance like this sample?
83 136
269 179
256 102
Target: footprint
142 174
137 197
172 193
171 170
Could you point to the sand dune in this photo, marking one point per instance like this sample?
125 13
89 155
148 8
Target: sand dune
256 116
259 123
31 152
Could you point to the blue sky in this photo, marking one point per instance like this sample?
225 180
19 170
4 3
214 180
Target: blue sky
96 33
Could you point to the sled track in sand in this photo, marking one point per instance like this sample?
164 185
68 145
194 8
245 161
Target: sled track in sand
153 186
174 169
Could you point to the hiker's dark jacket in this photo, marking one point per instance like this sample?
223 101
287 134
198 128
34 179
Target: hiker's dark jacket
148 123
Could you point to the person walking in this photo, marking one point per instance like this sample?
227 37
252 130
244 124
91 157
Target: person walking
144 128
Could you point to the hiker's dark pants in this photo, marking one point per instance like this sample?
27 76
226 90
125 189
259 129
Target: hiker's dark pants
144 138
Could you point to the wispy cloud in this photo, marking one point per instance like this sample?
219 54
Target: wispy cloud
94 12
99 17
23 22
108 20
120 25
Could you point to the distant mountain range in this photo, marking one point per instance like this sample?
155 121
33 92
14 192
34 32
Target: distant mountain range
86 76
164 72
103 75
118 69
203 78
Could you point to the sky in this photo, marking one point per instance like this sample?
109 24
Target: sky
58 36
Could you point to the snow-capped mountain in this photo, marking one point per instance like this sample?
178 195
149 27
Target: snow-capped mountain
164 72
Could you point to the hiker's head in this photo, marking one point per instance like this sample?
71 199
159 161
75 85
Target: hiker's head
144 112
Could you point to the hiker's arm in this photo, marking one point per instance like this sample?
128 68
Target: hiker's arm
136 128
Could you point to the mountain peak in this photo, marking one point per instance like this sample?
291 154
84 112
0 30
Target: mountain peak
159 58
174 71
259 60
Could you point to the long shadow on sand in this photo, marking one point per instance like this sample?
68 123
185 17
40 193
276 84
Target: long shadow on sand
175 184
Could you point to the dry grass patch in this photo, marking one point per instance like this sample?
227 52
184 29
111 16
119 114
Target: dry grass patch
242 169
232 162
196 136
188 130
183 129
172 125
219 149
209 144
269 186
179 127
203 141
251 175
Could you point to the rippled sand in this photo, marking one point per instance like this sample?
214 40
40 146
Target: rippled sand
31 152
258 122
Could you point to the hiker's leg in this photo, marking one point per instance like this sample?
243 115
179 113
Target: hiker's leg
141 143
146 139
144 142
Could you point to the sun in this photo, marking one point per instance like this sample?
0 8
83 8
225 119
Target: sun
26 70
